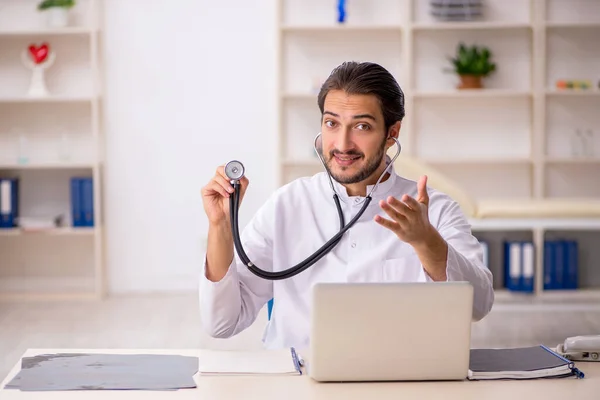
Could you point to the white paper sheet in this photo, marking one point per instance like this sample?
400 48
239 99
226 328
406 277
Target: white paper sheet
282 362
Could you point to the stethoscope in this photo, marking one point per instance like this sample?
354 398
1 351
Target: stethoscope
235 171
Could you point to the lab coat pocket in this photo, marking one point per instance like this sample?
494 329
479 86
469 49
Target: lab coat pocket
406 268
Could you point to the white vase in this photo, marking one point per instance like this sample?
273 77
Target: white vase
57 17
37 87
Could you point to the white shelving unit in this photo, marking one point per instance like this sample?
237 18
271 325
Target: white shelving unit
519 128
46 141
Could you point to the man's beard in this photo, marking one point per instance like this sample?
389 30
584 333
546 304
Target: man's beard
372 165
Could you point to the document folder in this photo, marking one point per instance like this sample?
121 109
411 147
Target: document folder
519 363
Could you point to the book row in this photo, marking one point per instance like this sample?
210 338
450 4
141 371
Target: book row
560 264
81 207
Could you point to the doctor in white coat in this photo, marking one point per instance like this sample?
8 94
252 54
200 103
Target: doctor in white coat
409 232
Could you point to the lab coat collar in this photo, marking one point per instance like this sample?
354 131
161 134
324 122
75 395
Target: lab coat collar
379 193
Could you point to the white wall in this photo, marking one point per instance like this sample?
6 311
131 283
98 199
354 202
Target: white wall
187 88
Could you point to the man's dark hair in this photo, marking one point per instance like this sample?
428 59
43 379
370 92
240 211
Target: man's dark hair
367 78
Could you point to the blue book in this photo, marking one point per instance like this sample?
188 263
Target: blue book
571 277
527 267
82 201
87 201
560 262
512 265
76 212
548 265
561 259
9 202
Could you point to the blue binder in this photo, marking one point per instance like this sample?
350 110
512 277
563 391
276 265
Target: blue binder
548 265
512 267
9 202
519 265
87 201
76 214
527 266
572 267
82 202
561 264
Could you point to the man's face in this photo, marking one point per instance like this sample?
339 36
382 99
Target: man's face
353 136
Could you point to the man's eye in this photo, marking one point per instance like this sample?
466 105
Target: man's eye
363 127
329 123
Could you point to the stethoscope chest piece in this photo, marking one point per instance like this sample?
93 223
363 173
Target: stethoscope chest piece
234 170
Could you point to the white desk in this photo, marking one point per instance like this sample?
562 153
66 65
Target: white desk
302 387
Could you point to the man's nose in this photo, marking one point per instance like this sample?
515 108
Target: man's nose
344 140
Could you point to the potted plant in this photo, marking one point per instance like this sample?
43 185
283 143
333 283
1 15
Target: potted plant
57 11
472 63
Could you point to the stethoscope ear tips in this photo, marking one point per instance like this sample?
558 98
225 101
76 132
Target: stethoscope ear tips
234 170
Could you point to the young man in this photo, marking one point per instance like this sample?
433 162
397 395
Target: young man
409 233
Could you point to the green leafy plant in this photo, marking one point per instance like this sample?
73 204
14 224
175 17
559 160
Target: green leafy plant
46 4
473 60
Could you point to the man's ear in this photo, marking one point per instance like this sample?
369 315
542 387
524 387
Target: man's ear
394 131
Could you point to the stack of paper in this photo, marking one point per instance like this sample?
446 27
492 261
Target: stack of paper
278 362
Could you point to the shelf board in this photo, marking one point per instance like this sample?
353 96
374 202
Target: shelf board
549 298
46 288
501 224
580 294
49 99
67 231
573 92
469 93
471 161
573 25
76 30
572 160
476 25
341 28
47 166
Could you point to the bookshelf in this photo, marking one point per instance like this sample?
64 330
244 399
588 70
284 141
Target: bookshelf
44 142
520 129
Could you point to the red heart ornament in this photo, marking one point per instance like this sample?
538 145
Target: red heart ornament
39 54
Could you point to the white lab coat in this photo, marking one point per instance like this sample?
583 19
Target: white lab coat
298 219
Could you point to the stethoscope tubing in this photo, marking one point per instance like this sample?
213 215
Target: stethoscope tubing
317 255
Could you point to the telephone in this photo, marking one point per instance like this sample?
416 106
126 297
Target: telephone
580 348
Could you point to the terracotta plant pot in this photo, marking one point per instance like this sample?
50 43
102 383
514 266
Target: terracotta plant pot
470 82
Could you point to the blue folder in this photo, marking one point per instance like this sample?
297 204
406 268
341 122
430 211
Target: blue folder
82 201
519 266
9 202
561 264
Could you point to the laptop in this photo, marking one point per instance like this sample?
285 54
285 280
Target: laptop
390 331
